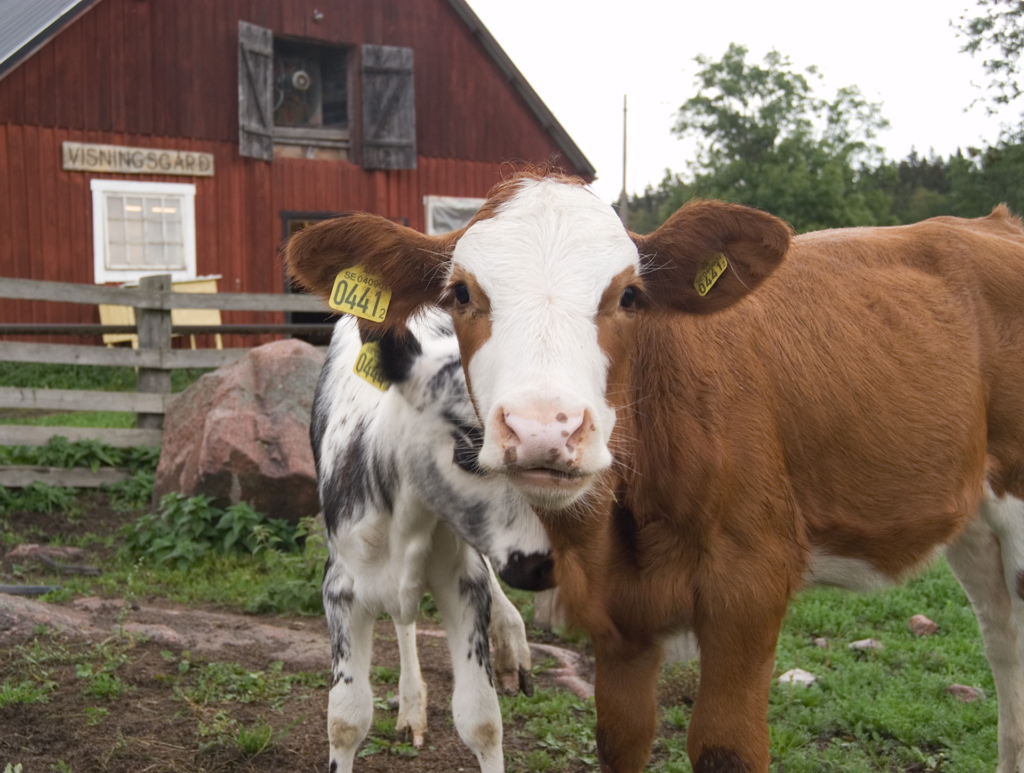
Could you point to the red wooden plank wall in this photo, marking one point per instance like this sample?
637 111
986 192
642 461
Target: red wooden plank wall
169 68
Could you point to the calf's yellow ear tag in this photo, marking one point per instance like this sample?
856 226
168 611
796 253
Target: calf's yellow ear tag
357 292
368 366
709 272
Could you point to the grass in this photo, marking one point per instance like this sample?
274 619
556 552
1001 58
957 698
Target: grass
92 377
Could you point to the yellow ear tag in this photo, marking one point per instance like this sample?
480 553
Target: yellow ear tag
357 292
709 272
368 366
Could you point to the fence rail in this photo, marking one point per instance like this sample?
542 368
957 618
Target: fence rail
154 359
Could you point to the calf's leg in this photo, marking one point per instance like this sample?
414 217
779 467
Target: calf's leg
729 729
350 702
463 595
412 690
508 635
977 559
626 694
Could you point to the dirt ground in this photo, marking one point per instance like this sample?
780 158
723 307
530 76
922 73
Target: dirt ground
162 707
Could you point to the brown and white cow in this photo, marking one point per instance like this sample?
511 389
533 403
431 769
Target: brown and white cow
839 424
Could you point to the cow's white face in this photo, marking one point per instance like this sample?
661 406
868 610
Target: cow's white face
542 295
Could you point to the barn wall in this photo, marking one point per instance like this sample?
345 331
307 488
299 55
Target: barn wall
168 68
48 211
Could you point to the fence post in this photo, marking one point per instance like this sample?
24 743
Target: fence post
154 328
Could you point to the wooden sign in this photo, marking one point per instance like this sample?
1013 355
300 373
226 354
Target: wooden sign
120 159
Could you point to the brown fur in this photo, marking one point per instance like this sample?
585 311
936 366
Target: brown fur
847 406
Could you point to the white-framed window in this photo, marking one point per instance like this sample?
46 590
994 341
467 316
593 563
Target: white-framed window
449 213
142 228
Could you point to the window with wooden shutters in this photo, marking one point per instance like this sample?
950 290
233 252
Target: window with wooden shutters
389 108
255 91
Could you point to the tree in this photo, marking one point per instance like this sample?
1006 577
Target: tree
998 31
765 139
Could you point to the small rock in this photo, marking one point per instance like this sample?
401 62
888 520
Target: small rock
922 626
821 643
798 676
966 694
866 644
393 704
31 550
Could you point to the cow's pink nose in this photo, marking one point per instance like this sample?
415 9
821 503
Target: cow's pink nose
543 440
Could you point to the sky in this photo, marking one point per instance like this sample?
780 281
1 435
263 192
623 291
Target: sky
582 57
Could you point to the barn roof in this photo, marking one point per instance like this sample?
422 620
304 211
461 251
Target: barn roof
28 25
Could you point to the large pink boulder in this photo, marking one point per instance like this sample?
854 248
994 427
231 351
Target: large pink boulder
241 433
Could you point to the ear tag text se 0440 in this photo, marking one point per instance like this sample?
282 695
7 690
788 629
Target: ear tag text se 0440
368 367
360 293
709 272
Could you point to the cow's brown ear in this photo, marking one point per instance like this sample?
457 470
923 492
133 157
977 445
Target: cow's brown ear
710 254
408 263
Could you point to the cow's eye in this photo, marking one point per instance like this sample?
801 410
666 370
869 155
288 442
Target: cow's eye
461 293
628 297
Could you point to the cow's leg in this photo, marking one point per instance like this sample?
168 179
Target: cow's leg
508 635
462 591
983 560
350 703
626 693
728 732
412 690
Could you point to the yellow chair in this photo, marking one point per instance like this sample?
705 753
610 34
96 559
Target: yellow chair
125 315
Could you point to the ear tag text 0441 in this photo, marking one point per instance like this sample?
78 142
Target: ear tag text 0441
357 292
709 272
368 368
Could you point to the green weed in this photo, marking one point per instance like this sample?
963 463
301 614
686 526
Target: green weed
384 675
187 528
40 498
94 715
60 452
108 379
254 740
24 692
132 494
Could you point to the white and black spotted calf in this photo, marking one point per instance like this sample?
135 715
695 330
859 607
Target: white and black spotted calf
407 510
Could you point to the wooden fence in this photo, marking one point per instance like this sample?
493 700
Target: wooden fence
154 361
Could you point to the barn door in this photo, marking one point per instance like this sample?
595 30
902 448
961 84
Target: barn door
389 108
255 91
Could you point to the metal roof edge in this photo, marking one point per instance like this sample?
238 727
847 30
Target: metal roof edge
521 85
11 63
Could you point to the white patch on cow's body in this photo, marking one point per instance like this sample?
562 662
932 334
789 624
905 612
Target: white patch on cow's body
841 572
544 261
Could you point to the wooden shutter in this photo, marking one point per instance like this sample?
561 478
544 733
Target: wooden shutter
255 91
389 108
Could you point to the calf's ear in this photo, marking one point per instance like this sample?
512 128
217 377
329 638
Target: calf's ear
725 250
410 264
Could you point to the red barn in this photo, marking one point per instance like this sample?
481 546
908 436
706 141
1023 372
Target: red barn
191 136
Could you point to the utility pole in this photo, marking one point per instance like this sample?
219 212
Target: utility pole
623 198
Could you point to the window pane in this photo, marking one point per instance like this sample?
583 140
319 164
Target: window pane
115 207
133 208
173 233
154 232
117 256
154 254
174 254
133 231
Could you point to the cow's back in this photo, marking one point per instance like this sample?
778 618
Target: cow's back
856 393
